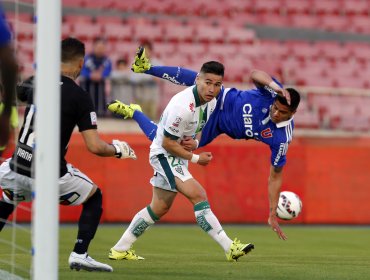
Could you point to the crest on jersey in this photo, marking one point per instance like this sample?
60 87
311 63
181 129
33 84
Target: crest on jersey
179 170
177 122
191 107
266 133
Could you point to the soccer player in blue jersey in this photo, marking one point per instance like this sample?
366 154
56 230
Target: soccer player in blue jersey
264 114
8 76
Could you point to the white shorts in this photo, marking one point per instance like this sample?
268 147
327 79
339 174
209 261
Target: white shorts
166 168
74 186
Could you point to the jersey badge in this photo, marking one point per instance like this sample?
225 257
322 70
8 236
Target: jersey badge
266 133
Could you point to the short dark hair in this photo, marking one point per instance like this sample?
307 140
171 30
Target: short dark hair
213 67
72 49
295 98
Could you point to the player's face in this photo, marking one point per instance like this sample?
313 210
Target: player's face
280 112
209 86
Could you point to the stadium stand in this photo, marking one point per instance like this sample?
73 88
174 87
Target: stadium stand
186 32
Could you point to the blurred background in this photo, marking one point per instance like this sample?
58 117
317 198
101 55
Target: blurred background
321 47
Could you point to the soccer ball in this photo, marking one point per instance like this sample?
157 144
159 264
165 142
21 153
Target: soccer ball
289 206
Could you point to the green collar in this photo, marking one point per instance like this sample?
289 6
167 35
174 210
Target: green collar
196 97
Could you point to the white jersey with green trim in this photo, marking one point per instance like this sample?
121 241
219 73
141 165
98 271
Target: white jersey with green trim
183 116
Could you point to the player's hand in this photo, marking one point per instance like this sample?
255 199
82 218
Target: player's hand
283 92
123 150
189 144
273 222
204 158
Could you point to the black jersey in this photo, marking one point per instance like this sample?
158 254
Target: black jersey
76 109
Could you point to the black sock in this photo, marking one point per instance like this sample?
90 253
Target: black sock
6 209
88 223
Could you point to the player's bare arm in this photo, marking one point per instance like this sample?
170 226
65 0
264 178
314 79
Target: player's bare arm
174 148
189 143
274 186
101 148
261 78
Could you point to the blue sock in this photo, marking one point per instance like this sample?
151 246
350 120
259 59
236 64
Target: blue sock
174 74
146 124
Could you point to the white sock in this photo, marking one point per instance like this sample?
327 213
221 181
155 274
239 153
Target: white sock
210 224
139 224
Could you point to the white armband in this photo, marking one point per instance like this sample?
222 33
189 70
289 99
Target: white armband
194 158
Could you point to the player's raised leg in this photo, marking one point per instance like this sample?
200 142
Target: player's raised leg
134 111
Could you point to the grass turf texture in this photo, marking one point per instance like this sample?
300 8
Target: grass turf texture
186 252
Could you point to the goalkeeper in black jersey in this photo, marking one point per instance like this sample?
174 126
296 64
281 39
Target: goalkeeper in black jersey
75 188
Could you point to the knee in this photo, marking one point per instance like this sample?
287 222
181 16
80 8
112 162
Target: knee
160 209
95 200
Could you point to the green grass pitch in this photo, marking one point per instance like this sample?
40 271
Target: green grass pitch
177 252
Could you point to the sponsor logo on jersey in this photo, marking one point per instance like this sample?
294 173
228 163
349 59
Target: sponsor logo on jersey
175 130
273 93
93 118
266 133
247 120
282 151
191 107
24 154
171 79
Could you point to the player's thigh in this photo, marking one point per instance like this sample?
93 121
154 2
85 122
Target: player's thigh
16 188
75 187
162 201
166 169
192 190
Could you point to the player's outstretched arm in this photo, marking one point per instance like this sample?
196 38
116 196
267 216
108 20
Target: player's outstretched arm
274 186
97 146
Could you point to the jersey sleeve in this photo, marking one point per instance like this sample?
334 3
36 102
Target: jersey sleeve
87 116
174 74
278 154
5 34
267 90
176 122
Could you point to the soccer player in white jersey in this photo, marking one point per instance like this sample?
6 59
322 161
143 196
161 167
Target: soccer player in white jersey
184 116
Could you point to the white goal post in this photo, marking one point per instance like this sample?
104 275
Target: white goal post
45 207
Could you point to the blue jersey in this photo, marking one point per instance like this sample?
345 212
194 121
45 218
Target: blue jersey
241 114
245 115
5 34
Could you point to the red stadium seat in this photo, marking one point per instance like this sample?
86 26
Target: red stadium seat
108 19
356 8
113 31
225 50
67 29
76 19
326 7
240 35
179 33
128 6
334 23
73 3
191 50
210 34
293 7
361 24
305 21
268 6
148 32
85 31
